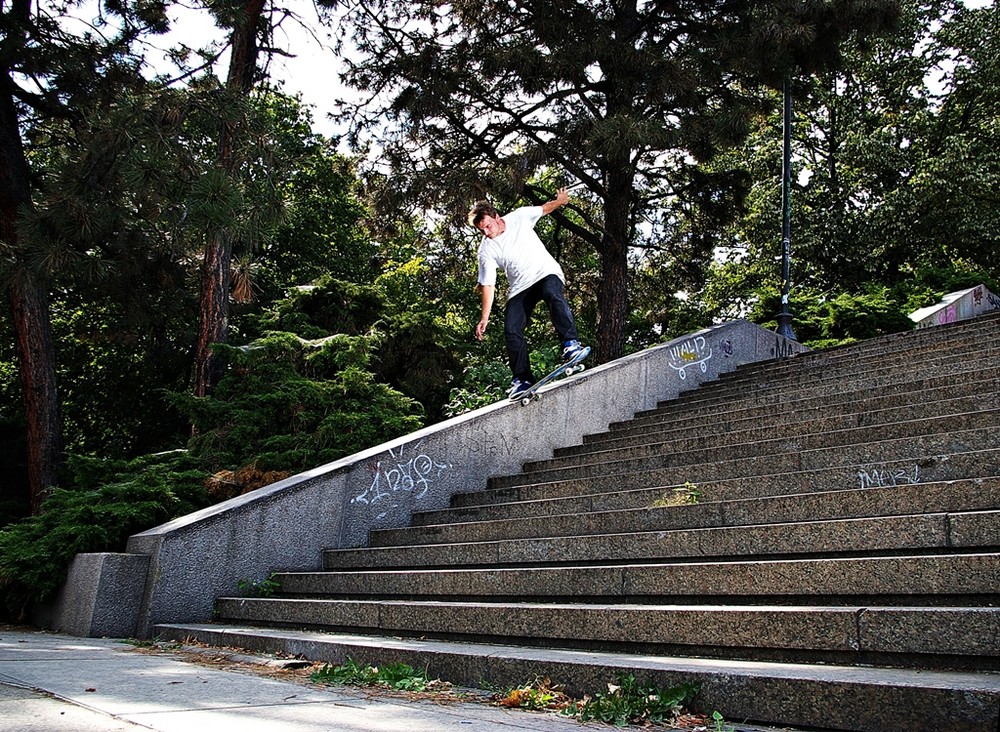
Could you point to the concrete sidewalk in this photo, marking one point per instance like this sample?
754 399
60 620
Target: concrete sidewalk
58 683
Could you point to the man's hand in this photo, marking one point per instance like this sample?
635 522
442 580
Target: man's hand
561 199
486 292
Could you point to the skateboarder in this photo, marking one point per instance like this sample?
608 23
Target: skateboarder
533 275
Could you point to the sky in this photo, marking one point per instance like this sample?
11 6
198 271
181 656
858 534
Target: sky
312 71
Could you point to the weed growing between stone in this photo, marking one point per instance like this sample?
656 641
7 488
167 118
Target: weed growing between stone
627 702
685 495
539 694
632 702
259 588
395 676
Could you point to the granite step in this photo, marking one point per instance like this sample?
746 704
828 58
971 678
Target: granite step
942 466
820 696
871 500
892 532
804 508
792 416
833 388
806 434
962 342
971 579
772 457
861 359
902 637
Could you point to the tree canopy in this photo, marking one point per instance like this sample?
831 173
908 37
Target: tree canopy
894 193
628 100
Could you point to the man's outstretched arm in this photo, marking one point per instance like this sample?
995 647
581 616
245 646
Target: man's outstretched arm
561 199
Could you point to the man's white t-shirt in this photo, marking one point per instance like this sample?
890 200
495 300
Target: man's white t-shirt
518 252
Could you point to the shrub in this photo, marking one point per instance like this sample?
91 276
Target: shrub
105 503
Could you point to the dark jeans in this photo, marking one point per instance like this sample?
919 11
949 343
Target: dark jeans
517 314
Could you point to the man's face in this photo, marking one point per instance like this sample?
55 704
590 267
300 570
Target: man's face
491 226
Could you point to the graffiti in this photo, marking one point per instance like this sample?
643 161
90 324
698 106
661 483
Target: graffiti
783 348
977 297
888 477
992 300
948 315
484 443
726 347
415 475
692 352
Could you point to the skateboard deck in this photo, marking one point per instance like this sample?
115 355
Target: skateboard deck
568 368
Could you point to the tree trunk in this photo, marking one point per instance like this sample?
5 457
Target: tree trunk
36 361
215 274
612 294
213 326
618 168
30 311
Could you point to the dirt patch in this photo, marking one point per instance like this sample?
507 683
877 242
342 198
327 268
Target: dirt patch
298 670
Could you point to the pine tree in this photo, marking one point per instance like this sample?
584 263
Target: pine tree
625 98
48 73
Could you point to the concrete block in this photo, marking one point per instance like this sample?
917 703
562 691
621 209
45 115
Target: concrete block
966 631
102 596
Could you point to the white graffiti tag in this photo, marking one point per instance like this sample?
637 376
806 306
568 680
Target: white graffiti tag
692 352
886 477
396 474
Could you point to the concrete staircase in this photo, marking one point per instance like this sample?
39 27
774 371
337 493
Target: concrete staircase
814 540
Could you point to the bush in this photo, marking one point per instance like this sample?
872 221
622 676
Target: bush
131 496
289 405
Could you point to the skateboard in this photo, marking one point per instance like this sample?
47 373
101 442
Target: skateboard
568 368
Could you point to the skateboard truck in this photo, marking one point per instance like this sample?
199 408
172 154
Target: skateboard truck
569 368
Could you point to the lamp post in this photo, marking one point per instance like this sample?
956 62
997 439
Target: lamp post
784 317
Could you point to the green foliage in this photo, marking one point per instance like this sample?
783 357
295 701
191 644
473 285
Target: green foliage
287 404
396 676
320 233
632 702
821 320
853 317
482 384
719 723
685 495
412 343
114 365
895 168
105 503
325 307
418 356
539 694
259 588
